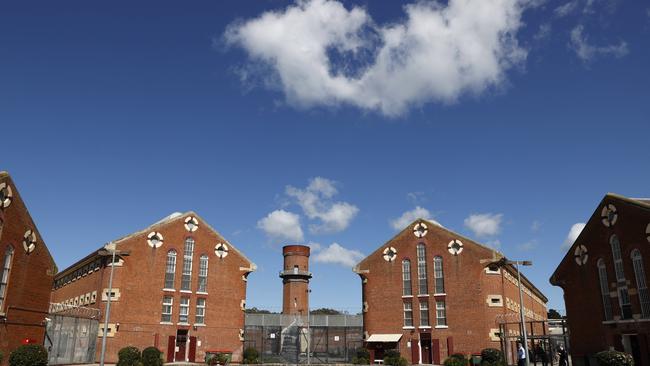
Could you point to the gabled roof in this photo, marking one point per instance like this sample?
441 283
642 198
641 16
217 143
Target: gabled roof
643 203
158 224
16 195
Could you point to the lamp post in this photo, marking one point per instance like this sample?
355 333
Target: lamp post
502 263
308 329
109 249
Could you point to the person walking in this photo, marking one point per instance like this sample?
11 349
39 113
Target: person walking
563 356
521 354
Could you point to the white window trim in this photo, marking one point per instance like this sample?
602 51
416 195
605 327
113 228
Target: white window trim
424 327
186 291
407 296
199 293
441 294
408 327
187 324
169 289
166 323
423 295
441 326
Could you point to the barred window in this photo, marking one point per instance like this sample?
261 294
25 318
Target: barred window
441 313
188 252
203 274
184 314
4 280
424 314
439 277
623 295
408 314
200 311
642 287
422 270
406 277
604 289
170 271
167 305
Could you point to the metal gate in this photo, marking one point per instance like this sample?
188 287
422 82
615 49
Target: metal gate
544 338
71 334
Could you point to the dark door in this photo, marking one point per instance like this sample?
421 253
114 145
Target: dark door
425 345
415 355
192 353
181 342
636 349
171 347
435 348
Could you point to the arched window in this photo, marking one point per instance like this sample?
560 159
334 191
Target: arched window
170 269
203 274
188 252
642 287
438 275
406 277
604 289
4 279
422 270
621 284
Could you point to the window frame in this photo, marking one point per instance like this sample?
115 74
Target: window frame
641 283
5 275
167 306
604 289
202 285
184 310
425 321
423 286
438 275
407 287
200 311
441 321
170 277
188 256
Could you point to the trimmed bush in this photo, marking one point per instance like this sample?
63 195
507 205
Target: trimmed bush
492 357
614 358
151 356
362 357
28 355
393 358
251 355
457 359
128 356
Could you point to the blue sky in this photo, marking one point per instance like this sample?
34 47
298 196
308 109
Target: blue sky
506 124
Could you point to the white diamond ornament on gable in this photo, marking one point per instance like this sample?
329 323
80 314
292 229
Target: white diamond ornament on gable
29 241
191 224
581 255
390 254
609 215
155 239
6 195
455 247
221 250
420 230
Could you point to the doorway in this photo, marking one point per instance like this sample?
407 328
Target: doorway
425 345
631 346
181 345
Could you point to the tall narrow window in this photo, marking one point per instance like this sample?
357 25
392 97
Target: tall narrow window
604 289
170 270
200 311
642 287
424 314
439 277
408 314
203 274
167 304
422 270
184 313
188 252
441 313
4 280
406 277
623 295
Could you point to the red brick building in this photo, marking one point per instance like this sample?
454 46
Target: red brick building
181 287
26 272
603 276
427 293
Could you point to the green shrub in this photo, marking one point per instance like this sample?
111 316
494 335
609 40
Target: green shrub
614 358
128 356
251 355
28 355
393 358
361 357
457 359
2 356
216 358
151 356
492 357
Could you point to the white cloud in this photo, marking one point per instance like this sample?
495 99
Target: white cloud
494 244
410 216
543 32
282 225
535 226
337 254
315 201
322 54
574 232
566 9
484 224
587 52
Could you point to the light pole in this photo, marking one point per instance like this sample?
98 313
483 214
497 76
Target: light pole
109 249
308 329
502 263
